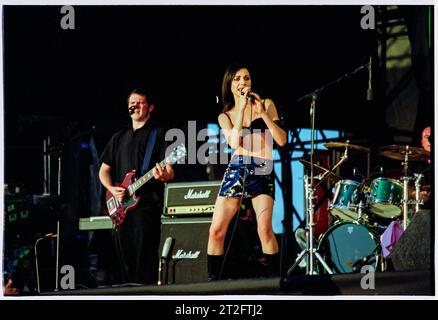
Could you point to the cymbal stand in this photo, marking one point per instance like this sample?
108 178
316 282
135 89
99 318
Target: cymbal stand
405 179
342 160
310 252
418 201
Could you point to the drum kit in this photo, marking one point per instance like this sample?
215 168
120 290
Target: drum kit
362 210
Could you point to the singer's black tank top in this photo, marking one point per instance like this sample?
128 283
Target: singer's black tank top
257 124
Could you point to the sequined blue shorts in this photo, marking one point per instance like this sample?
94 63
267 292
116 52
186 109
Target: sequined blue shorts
255 174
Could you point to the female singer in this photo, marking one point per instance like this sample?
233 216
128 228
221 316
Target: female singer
250 124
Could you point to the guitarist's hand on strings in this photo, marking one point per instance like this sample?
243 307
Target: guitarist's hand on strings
118 193
160 173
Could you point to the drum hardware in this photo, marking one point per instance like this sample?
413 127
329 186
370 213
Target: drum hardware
356 172
349 245
359 210
405 180
347 145
418 201
416 154
357 266
322 172
344 204
398 152
406 154
385 197
354 148
342 160
310 251
309 204
341 207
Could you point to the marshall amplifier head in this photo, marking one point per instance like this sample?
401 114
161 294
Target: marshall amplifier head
190 198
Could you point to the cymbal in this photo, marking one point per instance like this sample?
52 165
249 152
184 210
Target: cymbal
343 145
398 152
321 170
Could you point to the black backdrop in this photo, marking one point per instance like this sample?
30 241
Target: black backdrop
60 81
64 83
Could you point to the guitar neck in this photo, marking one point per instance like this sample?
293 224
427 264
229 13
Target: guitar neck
145 178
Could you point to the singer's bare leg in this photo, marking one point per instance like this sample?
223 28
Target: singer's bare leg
263 207
224 211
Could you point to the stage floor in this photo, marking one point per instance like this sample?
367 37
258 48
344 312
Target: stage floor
420 283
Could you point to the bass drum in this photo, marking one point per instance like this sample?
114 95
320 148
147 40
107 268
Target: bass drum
347 246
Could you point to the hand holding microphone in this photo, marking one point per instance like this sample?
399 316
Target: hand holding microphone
255 100
249 96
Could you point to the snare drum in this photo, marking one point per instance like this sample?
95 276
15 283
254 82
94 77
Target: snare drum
347 245
343 205
386 197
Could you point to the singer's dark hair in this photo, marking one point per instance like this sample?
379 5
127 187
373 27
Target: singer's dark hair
227 95
143 92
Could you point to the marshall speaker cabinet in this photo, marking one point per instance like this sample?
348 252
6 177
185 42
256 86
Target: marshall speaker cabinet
190 198
185 258
183 250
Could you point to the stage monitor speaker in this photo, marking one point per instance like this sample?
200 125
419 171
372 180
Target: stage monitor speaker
412 251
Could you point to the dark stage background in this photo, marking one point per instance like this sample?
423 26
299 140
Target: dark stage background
64 82
72 85
61 82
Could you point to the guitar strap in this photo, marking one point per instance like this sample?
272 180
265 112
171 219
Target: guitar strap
149 147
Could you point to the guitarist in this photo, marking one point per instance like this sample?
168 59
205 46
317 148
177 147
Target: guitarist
137 238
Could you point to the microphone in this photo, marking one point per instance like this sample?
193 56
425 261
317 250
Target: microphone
166 247
249 97
164 253
131 110
370 87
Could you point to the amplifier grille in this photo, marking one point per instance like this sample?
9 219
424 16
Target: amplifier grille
190 198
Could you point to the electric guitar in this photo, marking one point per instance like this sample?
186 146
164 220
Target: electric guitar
116 210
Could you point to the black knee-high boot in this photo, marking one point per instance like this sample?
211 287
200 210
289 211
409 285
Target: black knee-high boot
214 264
273 264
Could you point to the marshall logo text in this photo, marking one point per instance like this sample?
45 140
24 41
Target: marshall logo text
180 254
191 194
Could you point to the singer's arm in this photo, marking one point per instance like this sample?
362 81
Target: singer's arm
233 134
270 116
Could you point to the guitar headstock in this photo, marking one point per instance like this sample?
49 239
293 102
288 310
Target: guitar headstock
177 154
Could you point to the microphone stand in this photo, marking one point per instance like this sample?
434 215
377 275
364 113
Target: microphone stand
160 270
48 151
310 252
58 150
58 222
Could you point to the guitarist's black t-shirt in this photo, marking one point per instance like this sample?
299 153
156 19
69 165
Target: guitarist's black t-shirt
126 150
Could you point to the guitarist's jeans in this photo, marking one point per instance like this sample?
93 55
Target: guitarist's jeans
137 241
